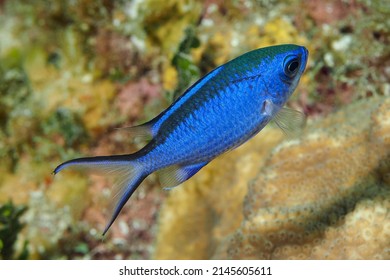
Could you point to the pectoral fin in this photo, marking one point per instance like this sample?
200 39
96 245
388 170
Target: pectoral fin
174 175
290 121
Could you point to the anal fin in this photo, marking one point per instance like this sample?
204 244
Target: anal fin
174 175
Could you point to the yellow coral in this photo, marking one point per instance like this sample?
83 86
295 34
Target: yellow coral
169 77
280 31
73 88
166 21
325 195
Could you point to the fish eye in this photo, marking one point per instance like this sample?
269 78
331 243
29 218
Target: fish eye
291 66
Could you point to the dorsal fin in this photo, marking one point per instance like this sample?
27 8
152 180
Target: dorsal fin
143 131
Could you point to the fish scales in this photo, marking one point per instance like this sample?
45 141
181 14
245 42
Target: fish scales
193 138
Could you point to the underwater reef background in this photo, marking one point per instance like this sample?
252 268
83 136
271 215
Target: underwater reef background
71 72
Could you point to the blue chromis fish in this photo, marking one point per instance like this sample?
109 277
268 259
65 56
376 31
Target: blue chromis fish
218 113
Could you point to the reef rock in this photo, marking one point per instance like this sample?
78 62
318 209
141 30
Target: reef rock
325 195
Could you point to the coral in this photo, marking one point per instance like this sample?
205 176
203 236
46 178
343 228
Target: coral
72 70
165 23
52 207
47 223
350 43
132 98
203 211
325 195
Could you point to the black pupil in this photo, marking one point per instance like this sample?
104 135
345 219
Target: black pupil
293 66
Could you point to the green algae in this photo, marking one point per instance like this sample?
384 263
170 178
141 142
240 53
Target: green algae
188 72
10 227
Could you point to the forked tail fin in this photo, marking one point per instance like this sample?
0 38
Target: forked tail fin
128 176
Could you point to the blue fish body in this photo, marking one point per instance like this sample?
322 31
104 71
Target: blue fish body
218 113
